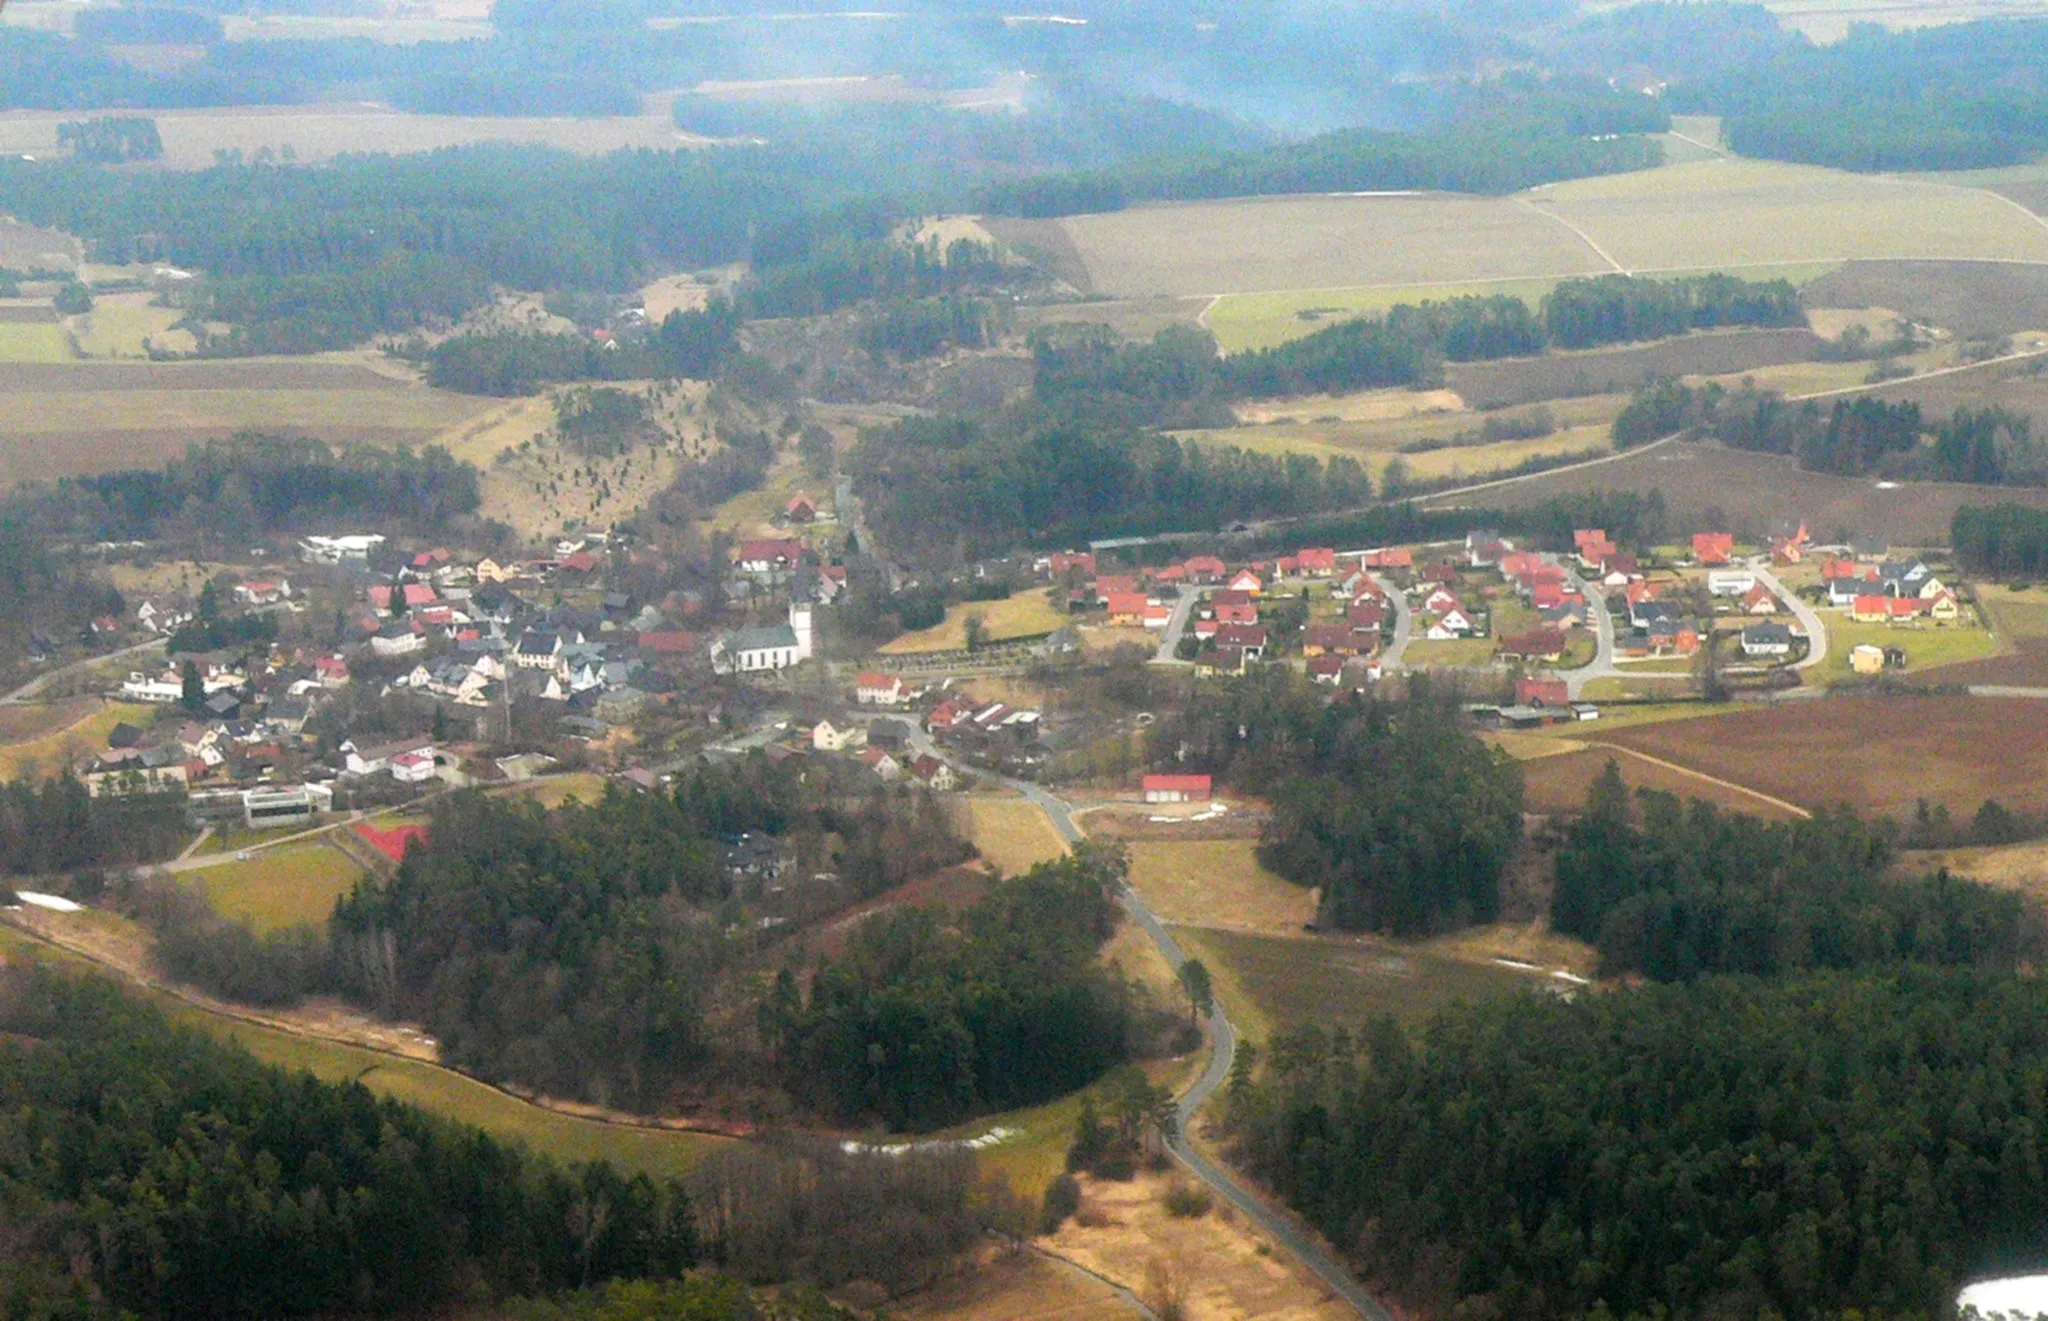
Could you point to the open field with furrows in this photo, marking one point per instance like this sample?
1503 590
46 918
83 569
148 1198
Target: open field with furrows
1133 318
296 885
1012 833
1557 785
1023 615
1969 297
321 132
50 747
1265 244
2020 386
1524 380
566 1137
1879 755
1755 489
1218 883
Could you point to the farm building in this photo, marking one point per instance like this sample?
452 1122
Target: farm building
1177 788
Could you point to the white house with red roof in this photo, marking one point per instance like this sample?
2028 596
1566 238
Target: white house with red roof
1177 788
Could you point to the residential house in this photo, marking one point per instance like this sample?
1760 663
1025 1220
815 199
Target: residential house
1440 599
1904 577
1943 608
1080 562
1127 608
1450 625
876 689
263 591
1205 569
1619 570
1177 788
801 509
1221 660
1393 557
1316 562
537 649
1713 547
1542 692
886 767
1874 609
1366 614
1671 636
1759 601
1760 641
771 555
1537 644
1730 582
1869 550
935 774
1327 669
1244 580
1335 640
1250 637
1592 546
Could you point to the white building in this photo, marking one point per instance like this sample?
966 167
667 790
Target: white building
757 649
353 548
1730 582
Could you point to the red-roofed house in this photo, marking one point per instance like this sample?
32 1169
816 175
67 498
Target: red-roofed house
419 594
1334 640
873 689
668 642
1396 557
1250 637
1887 609
801 509
1542 692
1234 612
1244 580
1127 607
1082 561
1366 614
1205 569
1317 561
582 561
1177 788
1538 644
1519 563
770 555
1759 601
1713 547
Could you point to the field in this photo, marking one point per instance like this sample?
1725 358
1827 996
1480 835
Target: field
1024 615
1557 785
1012 833
52 750
1879 755
1267 261
1286 984
1218 883
128 326
74 418
1452 462
2021 387
25 247
1022 1287
296 885
1997 298
2021 867
1755 489
2019 621
321 132
1525 380
31 341
1461 653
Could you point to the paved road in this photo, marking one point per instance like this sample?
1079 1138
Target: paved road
1224 1053
28 691
1177 624
1404 625
1602 666
1809 619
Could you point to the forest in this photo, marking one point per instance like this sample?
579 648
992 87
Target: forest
1401 815
148 1172
2001 541
1677 890
52 826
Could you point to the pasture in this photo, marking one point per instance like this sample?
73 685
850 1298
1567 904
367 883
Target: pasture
1012 833
313 133
1878 755
2019 621
1449 463
33 341
1218 883
129 326
296 885
1022 615
52 748
1927 649
1509 381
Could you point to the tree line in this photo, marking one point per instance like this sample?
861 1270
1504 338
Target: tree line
1676 890
692 343
2004 541
112 139
50 826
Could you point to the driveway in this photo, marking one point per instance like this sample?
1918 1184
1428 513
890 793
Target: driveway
1602 665
1176 625
1404 625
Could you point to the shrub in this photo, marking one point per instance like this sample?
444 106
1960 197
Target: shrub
1062 1199
1187 1201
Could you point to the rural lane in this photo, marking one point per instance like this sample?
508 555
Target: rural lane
28 691
1809 618
1223 1035
1602 665
1176 625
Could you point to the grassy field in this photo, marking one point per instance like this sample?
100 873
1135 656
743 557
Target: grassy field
33 342
1337 983
1012 833
1879 755
1452 654
1926 648
55 749
1026 614
296 885
554 790
1261 320
1619 370
1218 883
1023 1287
127 326
1455 463
1559 785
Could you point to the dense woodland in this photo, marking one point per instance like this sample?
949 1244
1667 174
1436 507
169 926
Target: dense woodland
2004 541
1677 890
148 1172
1394 808
53 826
1725 1147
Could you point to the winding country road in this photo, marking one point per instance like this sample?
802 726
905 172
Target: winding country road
1809 619
28 691
1223 1035
1404 624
